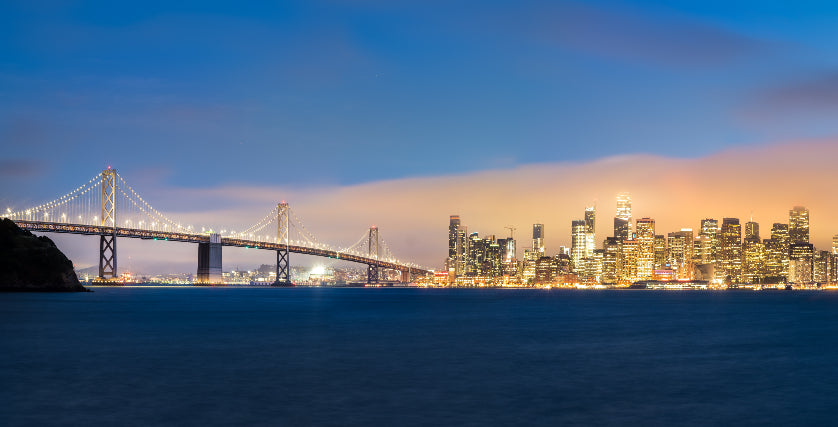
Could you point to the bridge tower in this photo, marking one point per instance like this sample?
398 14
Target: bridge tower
107 242
372 252
283 268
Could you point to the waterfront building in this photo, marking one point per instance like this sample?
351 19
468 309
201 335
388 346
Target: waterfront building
801 263
645 248
798 225
835 244
729 268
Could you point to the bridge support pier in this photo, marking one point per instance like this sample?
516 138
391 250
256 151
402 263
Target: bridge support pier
405 276
372 274
209 261
107 256
283 269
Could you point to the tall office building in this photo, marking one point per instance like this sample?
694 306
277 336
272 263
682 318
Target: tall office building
824 267
680 253
538 238
729 266
753 255
703 250
801 263
799 225
645 248
835 244
751 229
590 231
578 245
629 250
660 252
510 262
457 246
710 230
610 260
624 206
777 252
622 220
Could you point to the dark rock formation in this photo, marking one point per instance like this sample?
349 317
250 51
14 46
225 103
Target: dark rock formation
32 263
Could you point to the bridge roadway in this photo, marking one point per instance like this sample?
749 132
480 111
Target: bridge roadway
134 233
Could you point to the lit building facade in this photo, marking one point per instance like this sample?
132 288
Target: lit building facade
680 253
578 248
801 263
458 246
538 238
799 225
729 265
645 248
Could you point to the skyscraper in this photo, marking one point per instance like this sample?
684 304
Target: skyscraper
835 244
622 220
610 260
624 206
729 266
590 231
801 263
680 253
710 229
578 245
457 246
645 248
538 239
753 255
799 225
777 252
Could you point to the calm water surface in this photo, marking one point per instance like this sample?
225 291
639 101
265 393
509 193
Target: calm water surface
198 356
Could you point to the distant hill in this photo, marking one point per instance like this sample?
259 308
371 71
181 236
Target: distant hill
32 263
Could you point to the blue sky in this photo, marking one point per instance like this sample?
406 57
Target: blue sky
312 95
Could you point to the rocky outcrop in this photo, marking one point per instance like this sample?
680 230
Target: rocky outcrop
33 263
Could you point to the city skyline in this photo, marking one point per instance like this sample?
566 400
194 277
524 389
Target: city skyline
718 256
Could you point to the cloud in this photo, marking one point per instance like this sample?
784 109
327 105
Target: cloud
19 168
814 93
412 214
671 40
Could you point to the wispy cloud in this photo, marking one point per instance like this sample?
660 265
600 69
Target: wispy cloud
630 34
814 93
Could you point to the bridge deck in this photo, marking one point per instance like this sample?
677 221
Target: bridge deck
134 233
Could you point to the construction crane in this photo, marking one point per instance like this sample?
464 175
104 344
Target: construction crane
511 230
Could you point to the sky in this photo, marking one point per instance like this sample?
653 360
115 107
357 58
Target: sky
507 113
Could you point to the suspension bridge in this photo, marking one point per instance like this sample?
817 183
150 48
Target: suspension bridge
108 207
